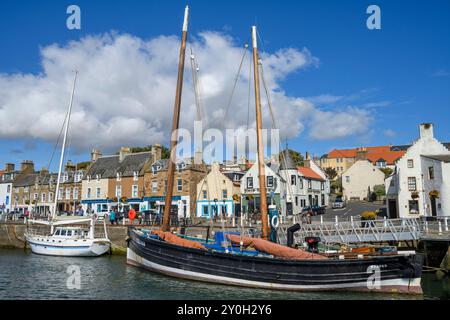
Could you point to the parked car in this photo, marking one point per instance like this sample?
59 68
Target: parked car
338 203
316 210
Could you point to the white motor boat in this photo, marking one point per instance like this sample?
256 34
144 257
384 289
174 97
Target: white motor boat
69 241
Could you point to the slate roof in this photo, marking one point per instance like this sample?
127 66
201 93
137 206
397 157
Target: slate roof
25 180
108 166
441 157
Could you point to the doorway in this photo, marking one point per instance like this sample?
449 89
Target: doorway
433 206
392 204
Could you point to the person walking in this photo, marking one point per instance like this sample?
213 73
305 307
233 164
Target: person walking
112 217
131 215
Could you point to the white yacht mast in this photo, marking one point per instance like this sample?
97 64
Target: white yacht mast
61 160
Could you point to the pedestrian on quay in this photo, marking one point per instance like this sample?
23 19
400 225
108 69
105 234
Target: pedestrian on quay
131 215
112 217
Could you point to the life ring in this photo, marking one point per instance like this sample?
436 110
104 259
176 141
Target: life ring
275 222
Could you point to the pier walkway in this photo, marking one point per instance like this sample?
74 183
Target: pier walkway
383 230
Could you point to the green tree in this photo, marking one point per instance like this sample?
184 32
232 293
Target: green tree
296 157
379 190
387 171
164 151
331 173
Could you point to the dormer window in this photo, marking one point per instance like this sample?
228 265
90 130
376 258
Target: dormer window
135 175
118 176
97 177
88 178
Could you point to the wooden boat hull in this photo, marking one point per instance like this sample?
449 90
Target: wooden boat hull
396 273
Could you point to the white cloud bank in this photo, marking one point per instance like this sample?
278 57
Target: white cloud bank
126 87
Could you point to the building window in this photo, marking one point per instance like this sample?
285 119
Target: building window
50 196
135 176
301 182
205 211
118 176
293 180
154 187
97 177
165 187
75 193
68 194
323 199
309 185
224 194
179 185
60 194
89 193
43 197
118 191
347 179
35 196
413 207
412 184
98 192
134 191
88 178
410 163
322 186
249 183
296 201
8 188
431 173
269 182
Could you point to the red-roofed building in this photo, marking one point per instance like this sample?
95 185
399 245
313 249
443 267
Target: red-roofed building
342 159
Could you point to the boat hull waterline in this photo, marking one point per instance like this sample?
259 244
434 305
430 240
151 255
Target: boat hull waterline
68 248
400 274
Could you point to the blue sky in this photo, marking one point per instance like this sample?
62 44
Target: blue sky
400 74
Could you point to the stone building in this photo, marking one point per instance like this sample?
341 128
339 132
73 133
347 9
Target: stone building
21 187
117 181
184 199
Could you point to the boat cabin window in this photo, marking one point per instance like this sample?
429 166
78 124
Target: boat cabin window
69 233
63 232
57 232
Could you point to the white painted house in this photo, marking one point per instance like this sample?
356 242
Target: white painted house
361 177
420 184
276 189
6 181
306 185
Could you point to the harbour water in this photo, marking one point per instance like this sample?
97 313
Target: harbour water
24 275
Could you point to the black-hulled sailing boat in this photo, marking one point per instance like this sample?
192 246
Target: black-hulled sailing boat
271 266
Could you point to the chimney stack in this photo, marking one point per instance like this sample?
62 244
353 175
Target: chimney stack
10 167
27 166
95 154
156 152
123 152
426 131
70 166
307 157
198 157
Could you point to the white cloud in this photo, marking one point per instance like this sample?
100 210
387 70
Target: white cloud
389 133
126 87
328 125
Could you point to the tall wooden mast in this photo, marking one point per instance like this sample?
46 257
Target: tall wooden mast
176 120
261 170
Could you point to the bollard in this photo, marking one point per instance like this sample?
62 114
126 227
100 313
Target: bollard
351 220
336 220
385 222
426 226
321 219
440 227
446 224
233 221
